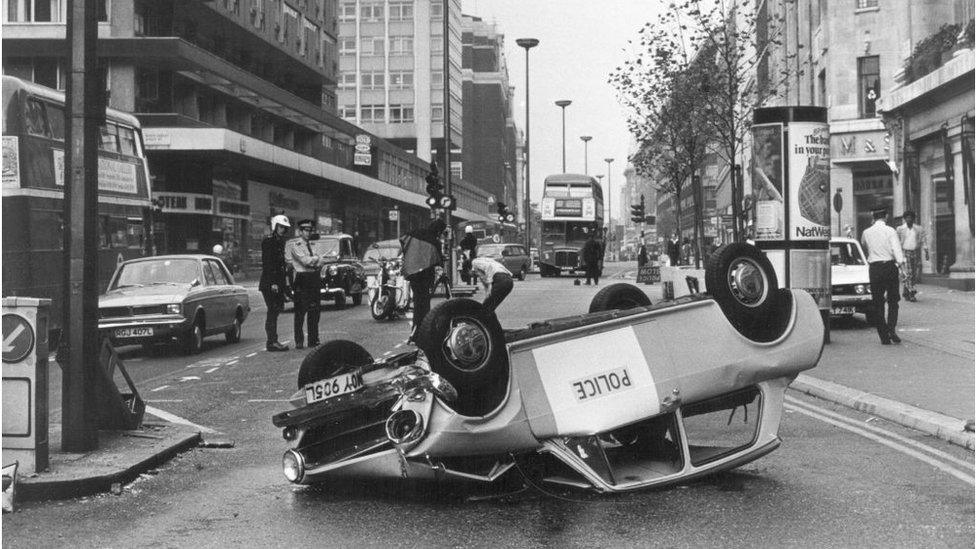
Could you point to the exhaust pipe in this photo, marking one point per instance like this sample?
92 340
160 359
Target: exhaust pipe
404 426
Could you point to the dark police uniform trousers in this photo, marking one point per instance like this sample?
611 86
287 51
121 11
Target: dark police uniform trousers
884 288
307 305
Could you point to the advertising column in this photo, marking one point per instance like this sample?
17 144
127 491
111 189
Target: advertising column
791 189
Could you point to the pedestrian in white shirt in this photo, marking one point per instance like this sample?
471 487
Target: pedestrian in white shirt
913 241
884 259
496 279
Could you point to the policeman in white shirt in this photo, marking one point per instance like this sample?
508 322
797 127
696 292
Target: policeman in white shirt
496 279
884 259
913 241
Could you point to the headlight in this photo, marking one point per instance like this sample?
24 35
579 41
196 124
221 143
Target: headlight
174 309
860 289
333 270
293 465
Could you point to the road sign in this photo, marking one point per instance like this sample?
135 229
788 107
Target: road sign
447 202
360 159
362 147
18 338
394 215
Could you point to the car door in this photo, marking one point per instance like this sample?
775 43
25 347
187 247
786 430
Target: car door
219 296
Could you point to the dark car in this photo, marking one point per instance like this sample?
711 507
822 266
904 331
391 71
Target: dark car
512 256
172 297
342 274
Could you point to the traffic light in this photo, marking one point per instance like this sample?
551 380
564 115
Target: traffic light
504 216
433 180
637 211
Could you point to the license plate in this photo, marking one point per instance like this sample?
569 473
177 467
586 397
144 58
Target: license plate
843 310
333 387
133 332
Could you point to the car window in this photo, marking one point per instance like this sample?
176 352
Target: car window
160 271
845 253
219 275
381 253
488 249
328 247
345 247
208 273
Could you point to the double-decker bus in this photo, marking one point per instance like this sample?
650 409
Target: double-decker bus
34 128
572 210
488 232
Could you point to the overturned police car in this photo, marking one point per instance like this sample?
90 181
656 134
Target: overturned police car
629 395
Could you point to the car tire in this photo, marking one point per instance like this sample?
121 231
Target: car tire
193 339
464 343
741 279
619 296
233 335
382 305
331 359
522 271
357 299
340 300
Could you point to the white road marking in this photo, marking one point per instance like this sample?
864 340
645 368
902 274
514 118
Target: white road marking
173 418
165 400
8 342
961 475
914 329
212 370
880 431
159 388
235 361
250 355
189 378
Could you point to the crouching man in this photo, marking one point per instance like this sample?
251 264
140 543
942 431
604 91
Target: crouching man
496 279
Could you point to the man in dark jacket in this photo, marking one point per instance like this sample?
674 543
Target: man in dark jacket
421 255
272 284
469 247
592 254
674 250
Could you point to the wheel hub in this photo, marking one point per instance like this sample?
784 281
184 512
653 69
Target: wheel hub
467 344
747 281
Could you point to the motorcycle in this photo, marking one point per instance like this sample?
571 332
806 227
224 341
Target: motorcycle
389 293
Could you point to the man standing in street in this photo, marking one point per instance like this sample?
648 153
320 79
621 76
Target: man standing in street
674 250
272 284
913 241
592 254
421 256
641 255
496 279
469 246
308 283
884 259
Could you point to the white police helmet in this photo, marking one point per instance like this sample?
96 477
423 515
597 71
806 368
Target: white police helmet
218 249
279 220
469 229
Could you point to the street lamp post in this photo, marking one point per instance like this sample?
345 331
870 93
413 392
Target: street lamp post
586 163
527 43
562 104
609 200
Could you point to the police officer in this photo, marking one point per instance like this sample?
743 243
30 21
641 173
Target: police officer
884 259
308 283
272 284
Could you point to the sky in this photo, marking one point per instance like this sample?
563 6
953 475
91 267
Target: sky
580 43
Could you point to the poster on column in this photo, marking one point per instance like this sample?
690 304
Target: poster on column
767 180
809 181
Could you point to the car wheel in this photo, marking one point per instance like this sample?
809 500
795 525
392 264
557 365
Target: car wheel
382 305
193 340
357 299
331 359
465 344
741 279
340 300
619 296
233 335
522 271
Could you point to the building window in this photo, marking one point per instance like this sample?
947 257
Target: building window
347 80
401 80
868 85
372 46
348 112
372 12
373 80
401 45
437 79
437 113
347 46
372 113
347 12
437 44
862 4
436 9
401 114
401 11
456 172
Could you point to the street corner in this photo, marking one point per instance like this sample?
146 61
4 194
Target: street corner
118 458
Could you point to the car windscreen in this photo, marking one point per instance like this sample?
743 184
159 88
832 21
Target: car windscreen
326 247
376 254
845 253
163 271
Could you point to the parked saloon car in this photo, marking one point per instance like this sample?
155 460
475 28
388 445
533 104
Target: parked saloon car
342 274
850 284
172 297
512 256
477 402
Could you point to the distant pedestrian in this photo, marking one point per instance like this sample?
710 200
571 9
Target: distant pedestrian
308 284
496 279
884 259
272 285
912 238
686 252
674 250
469 247
641 255
848 231
592 255
421 256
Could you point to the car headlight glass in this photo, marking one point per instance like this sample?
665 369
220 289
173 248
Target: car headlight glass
333 270
174 309
860 289
293 465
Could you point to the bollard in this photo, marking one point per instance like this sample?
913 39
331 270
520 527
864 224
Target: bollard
25 384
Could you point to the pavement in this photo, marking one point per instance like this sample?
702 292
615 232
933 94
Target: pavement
926 383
